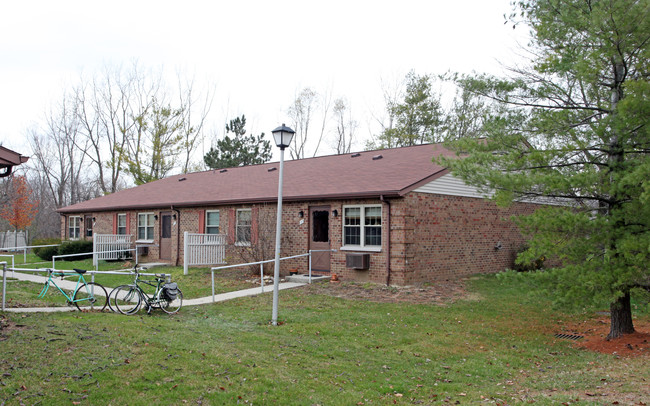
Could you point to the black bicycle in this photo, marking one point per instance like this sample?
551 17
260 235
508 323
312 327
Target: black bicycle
128 299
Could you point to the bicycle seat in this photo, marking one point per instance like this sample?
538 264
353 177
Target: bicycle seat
80 271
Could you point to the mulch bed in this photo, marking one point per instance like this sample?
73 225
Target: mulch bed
441 293
629 345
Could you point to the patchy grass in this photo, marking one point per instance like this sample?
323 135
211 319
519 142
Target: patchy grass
496 348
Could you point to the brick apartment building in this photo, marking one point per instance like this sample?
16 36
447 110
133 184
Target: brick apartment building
393 216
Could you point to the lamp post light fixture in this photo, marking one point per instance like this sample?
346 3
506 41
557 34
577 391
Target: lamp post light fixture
282 136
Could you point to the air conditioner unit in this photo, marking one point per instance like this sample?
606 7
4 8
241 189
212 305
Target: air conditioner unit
357 261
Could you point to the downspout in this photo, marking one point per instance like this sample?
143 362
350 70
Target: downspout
178 234
387 240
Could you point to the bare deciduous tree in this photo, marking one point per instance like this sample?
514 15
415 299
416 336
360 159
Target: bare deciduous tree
59 152
345 126
194 117
305 107
106 111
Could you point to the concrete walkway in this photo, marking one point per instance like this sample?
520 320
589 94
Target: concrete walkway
186 302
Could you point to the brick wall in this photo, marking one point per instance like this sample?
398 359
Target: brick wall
444 237
433 237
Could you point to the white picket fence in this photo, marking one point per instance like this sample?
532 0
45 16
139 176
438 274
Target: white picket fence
111 246
203 249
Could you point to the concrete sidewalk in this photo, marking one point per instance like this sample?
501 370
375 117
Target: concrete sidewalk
240 293
186 302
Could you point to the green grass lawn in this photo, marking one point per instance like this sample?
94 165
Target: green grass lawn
496 346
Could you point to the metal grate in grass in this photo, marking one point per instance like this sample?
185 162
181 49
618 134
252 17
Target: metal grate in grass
568 336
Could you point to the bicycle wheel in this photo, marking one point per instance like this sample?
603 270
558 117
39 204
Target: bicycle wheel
170 306
111 298
127 299
91 294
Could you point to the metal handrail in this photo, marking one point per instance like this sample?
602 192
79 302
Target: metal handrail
72 272
261 263
26 247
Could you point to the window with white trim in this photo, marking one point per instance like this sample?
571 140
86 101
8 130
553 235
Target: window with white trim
362 226
121 224
212 222
145 226
243 227
74 227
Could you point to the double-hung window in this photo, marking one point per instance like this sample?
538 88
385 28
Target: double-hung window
121 224
212 222
74 227
362 226
243 227
145 226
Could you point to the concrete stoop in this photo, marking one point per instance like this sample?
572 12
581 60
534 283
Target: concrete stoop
305 278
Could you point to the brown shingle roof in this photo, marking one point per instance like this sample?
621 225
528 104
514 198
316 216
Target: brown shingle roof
392 172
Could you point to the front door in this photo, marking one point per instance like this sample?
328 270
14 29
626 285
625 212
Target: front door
166 236
319 230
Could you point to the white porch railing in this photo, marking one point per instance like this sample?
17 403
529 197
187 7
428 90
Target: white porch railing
110 246
203 249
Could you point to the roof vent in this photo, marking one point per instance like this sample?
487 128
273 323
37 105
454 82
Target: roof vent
272 169
355 155
376 157
181 179
223 170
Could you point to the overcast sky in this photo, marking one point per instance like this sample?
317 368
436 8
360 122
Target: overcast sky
257 54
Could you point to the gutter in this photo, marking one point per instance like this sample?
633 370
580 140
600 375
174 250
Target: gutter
181 204
388 256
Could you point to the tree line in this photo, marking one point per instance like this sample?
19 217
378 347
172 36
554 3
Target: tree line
124 125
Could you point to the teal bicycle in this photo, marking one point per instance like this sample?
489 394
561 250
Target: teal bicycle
84 294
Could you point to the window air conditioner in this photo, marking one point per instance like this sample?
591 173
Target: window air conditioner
357 261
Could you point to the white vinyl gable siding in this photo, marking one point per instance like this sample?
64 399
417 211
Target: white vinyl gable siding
453 186
450 185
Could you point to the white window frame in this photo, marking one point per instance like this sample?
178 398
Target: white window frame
207 223
239 242
148 238
74 225
362 246
121 215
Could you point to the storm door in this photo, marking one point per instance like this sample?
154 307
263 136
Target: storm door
319 230
166 236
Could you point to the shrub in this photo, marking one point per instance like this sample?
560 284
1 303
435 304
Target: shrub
526 261
46 253
76 247
45 241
